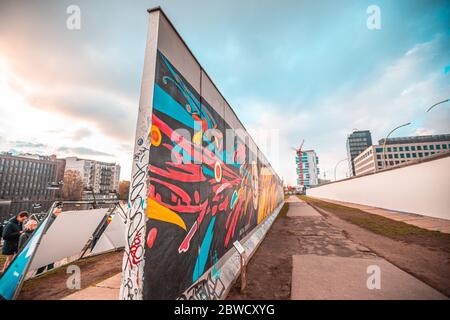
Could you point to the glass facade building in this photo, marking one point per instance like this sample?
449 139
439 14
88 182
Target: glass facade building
357 142
25 181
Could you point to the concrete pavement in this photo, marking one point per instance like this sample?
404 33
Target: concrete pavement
317 277
331 266
299 208
424 222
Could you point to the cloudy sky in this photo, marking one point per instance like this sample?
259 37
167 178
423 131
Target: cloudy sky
306 69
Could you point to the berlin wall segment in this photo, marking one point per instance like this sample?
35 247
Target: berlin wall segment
200 195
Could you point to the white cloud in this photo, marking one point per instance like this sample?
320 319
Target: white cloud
400 93
27 128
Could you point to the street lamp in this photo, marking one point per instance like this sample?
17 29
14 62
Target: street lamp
434 105
335 167
385 140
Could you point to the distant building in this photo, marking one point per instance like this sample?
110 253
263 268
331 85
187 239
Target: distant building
25 181
60 169
309 176
103 177
400 150
357 142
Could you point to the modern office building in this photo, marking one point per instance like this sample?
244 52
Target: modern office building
307 170
400 150
102 177
357 142
25 182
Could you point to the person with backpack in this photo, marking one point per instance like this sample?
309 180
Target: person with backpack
11 235
29 228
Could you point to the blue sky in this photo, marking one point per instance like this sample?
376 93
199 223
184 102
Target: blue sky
307 69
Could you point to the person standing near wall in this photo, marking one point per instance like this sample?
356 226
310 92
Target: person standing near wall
11 234
29 228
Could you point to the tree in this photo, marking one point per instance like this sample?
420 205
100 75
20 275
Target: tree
124 190
73 185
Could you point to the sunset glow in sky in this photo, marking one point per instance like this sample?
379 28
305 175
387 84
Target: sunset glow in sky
309 69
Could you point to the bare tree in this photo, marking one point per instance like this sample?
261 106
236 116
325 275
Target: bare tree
124 190
73 185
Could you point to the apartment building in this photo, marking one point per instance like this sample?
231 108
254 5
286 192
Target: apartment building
307 170
102 177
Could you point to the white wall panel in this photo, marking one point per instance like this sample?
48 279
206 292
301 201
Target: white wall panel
67 236
112 238
174 49
422 188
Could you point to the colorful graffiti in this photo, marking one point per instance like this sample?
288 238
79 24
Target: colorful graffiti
201 196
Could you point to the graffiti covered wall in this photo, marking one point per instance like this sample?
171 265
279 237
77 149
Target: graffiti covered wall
206 186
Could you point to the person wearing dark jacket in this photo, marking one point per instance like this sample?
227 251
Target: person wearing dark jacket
11 234
29 228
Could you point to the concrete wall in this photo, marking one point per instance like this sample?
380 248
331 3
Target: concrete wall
194 190
421 188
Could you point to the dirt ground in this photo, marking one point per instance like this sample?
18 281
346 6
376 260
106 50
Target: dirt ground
52 286
267 262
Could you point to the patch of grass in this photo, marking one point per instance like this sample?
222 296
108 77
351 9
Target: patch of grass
396 230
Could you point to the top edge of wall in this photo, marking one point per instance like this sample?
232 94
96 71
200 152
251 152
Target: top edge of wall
407 164
202 70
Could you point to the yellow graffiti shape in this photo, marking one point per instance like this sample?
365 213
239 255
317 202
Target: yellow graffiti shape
197 138
159 212
155 136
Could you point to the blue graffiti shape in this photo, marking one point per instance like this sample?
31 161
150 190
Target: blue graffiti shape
204 251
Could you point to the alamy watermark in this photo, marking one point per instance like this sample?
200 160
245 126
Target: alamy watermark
374 19
73 21
374 279
74 280
234 146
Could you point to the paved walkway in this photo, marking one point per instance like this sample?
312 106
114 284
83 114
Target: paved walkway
331 266
316 236
424 222
329 278
299 208
105 290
